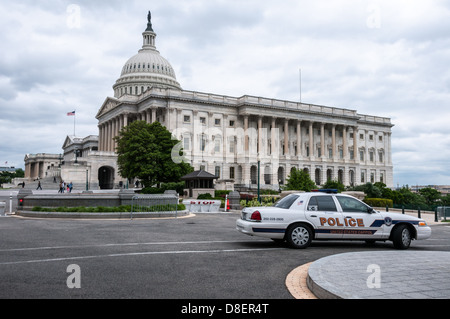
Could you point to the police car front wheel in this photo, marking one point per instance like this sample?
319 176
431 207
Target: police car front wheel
299 236
401 237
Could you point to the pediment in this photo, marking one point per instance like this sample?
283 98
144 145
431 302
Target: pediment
109 104
70 140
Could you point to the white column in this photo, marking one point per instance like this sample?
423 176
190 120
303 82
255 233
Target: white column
286 137
311 141
322 140
344 142
299 138
333 137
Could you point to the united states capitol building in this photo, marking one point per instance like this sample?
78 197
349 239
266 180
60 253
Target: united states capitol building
230 137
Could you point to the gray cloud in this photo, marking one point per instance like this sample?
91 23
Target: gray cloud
386 58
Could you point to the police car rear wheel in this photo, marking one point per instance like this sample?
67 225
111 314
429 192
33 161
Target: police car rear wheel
299 236
401 237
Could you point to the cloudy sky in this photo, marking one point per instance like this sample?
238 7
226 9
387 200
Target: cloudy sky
389 58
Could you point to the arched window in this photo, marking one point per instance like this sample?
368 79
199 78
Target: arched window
317 176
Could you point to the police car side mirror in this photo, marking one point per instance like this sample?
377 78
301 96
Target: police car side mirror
370 210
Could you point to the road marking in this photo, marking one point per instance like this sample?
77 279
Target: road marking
216 251
131 244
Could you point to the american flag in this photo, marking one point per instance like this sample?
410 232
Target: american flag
71 113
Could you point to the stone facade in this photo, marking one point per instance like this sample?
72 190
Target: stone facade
39 166
228 136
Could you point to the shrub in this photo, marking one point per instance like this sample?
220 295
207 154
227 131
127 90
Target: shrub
379 202
204 196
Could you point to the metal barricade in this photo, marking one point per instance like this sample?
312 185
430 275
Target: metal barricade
443 212
155 204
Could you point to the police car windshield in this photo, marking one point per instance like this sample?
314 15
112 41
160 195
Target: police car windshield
286 202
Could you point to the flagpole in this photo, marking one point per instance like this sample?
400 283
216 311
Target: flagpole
74 117
300 78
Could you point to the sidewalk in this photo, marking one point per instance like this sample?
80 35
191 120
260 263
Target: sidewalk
381 275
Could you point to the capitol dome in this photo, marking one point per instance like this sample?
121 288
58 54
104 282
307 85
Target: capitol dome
146 69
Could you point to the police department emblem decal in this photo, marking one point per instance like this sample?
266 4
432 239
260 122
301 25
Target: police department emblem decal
388 221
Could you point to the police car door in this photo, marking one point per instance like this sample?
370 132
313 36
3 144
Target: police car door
322 212
361 222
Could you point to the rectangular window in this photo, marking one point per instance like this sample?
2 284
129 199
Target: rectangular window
217 145
232 172
186 143
202 143
217 171
231 123
231 146
217 122
187 119
361 155
371 156
203 120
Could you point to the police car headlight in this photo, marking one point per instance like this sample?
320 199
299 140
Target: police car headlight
422 223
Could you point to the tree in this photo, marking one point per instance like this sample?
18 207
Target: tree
7 177
430 195
145 152
299 180
334 185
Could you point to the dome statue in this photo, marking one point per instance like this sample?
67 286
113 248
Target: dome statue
146 69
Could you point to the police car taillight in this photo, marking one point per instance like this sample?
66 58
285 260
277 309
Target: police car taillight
256 216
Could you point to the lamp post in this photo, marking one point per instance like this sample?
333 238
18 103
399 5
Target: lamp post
76 155
259 196
87 179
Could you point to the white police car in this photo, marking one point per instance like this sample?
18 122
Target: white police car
300 218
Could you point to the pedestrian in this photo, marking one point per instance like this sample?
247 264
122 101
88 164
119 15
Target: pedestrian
70 187
39 186
60 187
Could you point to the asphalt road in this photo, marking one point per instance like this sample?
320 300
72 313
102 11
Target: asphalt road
201 257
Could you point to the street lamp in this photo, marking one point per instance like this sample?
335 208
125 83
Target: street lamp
76 155
259 196
87 179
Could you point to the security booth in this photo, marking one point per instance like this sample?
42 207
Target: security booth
198 182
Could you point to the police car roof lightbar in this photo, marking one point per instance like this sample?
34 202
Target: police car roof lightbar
328 191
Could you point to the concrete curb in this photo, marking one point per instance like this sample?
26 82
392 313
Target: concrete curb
296 282
124 215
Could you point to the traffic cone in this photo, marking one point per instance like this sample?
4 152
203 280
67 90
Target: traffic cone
228 204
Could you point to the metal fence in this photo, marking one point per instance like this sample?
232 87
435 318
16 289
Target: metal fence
155 204
443 212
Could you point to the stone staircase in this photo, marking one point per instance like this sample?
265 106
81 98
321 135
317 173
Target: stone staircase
49 184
